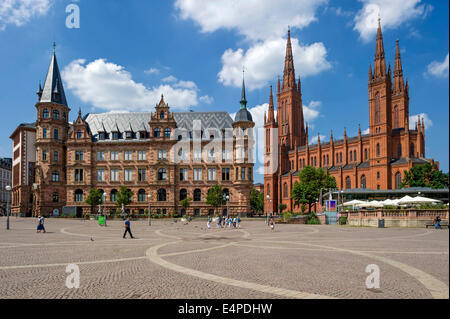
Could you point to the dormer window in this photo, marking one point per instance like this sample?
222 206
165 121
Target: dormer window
115 135
162 115
79 134
45 114
129 135
101 136
143 135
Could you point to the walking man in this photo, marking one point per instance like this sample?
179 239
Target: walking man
127 228
272 225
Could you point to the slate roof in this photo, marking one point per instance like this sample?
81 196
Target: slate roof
53 83
139 121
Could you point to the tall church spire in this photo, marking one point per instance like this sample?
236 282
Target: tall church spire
398 73
53 84
243 99
380 62
271 111
289 71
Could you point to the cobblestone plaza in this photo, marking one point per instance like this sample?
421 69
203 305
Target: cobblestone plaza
173 260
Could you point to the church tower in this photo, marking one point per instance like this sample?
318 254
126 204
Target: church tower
52 128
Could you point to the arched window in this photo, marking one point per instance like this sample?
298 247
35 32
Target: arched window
396 117
141 195
157 132
351 156
183 194
348 182
55 114
355 158
363 182
337 158
285 190
114 195
411 150
162 174
162 195
45 114
398 180
197 195
399 150
328 160
377 108
378 149
79 196
366 155
55 176
268 189
340 157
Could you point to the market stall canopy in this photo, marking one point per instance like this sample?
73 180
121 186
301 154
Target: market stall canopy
372 204
420 200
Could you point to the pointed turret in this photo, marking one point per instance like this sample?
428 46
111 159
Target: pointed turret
243 115
318 138
331 136
398 73
39 92
271 110
380 63
53 90
359 131
243 99
299 86
289 71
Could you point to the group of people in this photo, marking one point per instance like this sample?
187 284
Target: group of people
223 222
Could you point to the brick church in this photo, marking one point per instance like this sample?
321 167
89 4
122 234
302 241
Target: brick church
368 161
162 156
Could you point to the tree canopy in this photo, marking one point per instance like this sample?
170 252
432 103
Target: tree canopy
425 176
94 198
307 191
256 200
124 196
215 196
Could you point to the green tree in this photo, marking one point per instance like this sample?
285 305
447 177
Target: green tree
185 203
215 196
307 191
256 200
94 198
124 196
282 207
425 176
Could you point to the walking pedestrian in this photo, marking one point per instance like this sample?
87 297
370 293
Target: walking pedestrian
234 222
127 228
272 225
40 226
208 224
239 222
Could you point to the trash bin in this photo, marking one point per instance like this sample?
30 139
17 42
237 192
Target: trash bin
101 220
381 223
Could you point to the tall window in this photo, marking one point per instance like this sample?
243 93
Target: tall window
366 155
79 198
142 172
183 194
351 156
79 155
55 134
399 150
128 155
378 149
268 189
162 195
396 117
100 156
162 174
79 175
183 174
114 156
79 134
114 195
354 156
55 176
398 180
411 150
162 154
161 115
55 114
363 182
141 196
211 174
128 175
377 108
45 114
142 155
197 174
114 175
157 132
243 173
44 133
101 175
167 132
348 182
55 156
44 155
225 174
197 195
340 157
285 190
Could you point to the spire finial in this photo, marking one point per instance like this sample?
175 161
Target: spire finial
54 47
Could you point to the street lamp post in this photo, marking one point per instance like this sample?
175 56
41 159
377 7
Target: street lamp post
149 196
268 198
8 208
104 208
228 205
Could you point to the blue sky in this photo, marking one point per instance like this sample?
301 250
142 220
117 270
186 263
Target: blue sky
124 56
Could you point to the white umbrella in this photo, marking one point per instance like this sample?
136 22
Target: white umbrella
390 202
405 200
354 202
423 200
372 204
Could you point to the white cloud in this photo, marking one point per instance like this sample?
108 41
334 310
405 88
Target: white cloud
365 132
315 139
206 99
392 13
310 111
109 86
19 12
169 79
254 19
152 71
424 116
439 69
264 61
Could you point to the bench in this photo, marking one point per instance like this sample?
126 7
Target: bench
444 223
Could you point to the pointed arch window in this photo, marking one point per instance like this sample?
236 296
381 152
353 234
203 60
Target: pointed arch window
377 108
363 182
378 149
396 117
398 180
411 150
285 190
348 182
399 150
